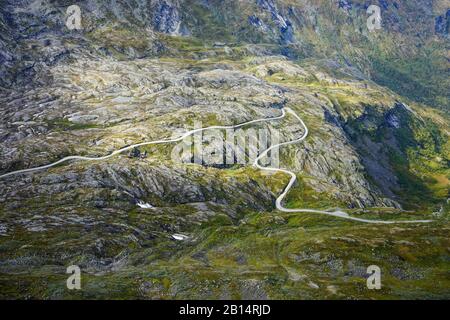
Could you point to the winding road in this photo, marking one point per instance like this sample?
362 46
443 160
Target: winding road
278 203
187 134
279 200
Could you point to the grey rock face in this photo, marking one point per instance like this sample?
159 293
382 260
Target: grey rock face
166 18
442 24
345 4
257 22
285 26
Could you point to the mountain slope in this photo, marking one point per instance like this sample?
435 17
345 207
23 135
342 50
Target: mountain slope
376 105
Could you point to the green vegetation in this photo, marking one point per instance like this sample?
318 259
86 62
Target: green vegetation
376 105
280 256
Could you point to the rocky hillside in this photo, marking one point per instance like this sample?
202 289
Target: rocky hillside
376 105
409 54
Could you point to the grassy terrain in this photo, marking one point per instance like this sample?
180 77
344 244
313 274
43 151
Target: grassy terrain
270 255
366 98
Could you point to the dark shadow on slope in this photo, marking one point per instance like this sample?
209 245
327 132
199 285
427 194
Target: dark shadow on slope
386 143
